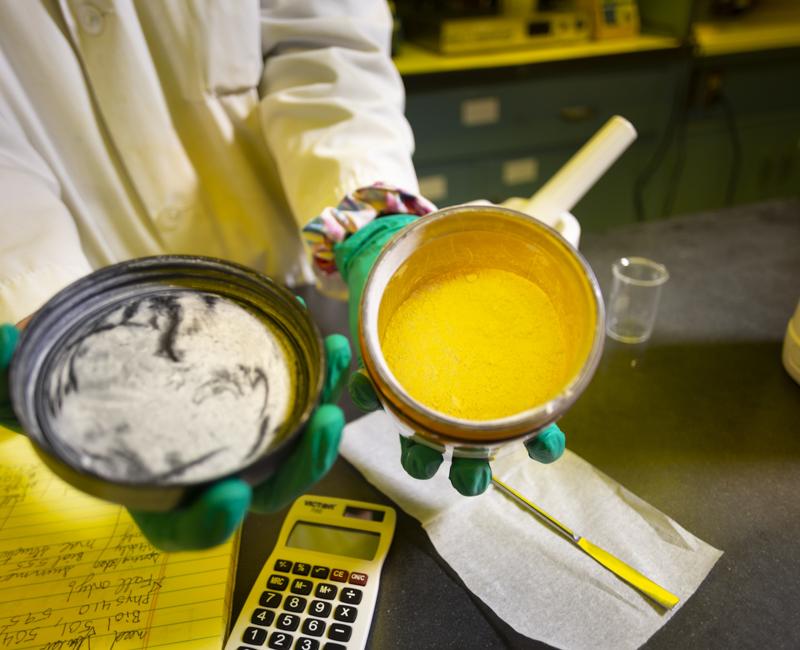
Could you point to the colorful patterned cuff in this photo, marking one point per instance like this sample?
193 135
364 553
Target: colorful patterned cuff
355 211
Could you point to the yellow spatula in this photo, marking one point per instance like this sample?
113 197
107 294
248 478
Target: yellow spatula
613 564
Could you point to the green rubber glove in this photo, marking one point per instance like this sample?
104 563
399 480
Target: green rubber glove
213 517
9 335
354 259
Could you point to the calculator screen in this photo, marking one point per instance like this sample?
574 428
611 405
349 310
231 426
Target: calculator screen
360 544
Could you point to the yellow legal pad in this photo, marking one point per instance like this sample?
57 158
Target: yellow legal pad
76 573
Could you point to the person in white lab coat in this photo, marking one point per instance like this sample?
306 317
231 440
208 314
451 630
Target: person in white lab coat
206 127
132 128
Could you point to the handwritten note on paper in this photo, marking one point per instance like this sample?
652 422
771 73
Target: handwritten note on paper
76 574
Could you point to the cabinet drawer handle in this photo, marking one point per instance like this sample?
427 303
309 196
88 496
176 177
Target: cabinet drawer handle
576 113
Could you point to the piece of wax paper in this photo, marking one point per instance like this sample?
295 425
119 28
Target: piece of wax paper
529 575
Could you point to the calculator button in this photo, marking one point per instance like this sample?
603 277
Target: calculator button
358 579
304 643
326 591
301 568
351 596
302 587
294 604
334 646
243 647
339 632
263 616
319 608
313 626
277 582
283 565
288 622
339 575
320 572
270 599
345 613
280 640
254 635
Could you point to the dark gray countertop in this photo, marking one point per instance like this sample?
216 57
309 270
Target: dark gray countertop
702 422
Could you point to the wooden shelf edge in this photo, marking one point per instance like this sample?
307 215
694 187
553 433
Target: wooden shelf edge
416 60
718 39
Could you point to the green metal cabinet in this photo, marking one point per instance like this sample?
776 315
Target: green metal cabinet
541 111
740 138
712 132
495 139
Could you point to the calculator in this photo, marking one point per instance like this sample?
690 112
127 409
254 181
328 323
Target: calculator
318 588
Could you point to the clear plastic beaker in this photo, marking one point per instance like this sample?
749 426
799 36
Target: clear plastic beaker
635 294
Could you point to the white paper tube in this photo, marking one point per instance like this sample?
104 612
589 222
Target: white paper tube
576 177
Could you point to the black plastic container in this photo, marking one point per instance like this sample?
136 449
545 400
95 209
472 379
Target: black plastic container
85 307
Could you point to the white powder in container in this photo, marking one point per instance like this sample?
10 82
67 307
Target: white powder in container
174 387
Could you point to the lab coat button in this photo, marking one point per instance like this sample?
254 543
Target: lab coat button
169 218
91 19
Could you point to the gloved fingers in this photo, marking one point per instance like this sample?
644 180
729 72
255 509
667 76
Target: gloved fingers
419 461
356 255
470 476
309 462
548 445
206 522
368 242
362 392
9 335
339 356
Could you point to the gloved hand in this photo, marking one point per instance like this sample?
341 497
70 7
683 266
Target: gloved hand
354 259
212 517
8 341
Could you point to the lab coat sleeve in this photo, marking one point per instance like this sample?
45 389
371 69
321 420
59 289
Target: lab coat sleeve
40 251
332 101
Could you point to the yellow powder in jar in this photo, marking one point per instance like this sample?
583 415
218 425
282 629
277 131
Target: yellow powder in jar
477 344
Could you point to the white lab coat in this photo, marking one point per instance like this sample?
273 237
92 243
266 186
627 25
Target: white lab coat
213 127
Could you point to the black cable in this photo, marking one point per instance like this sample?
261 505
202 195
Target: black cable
676 123
676 120
736 148
677 169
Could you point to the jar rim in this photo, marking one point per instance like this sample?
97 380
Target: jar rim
441 427
51 326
